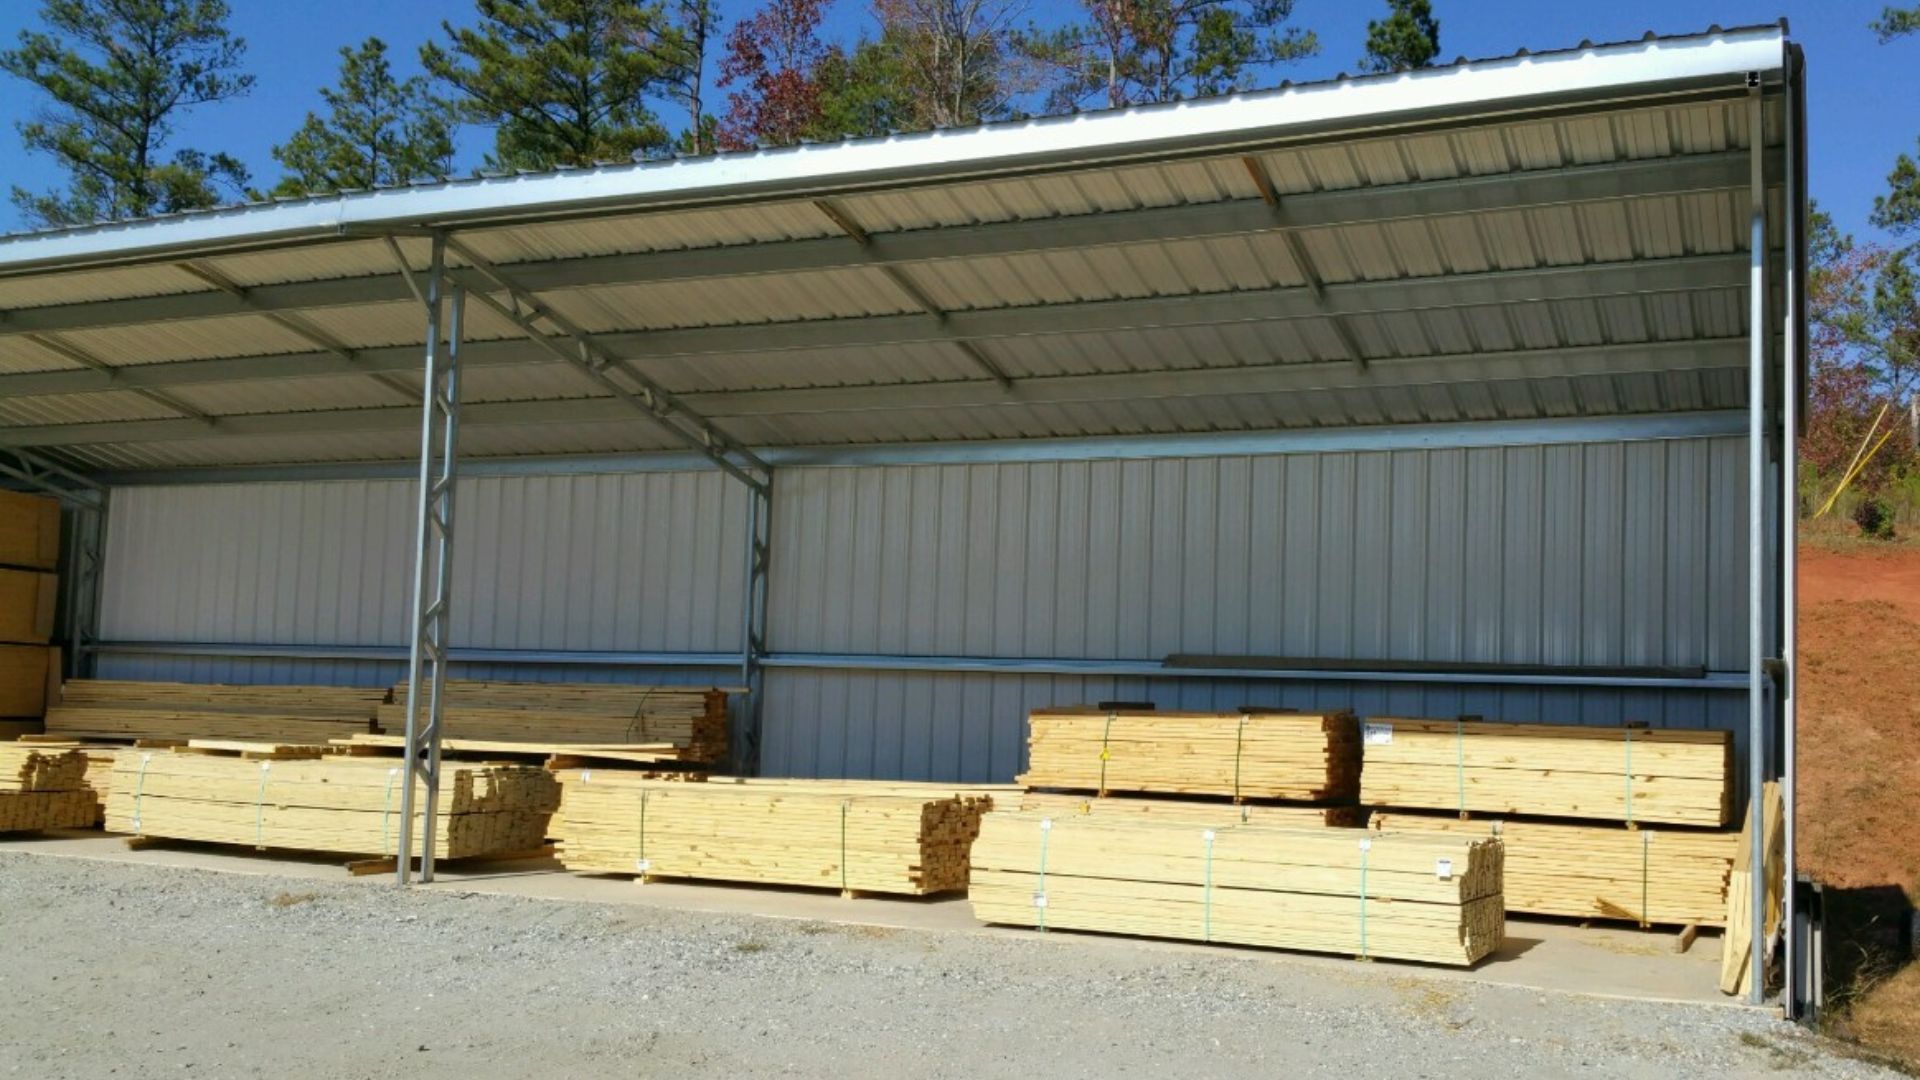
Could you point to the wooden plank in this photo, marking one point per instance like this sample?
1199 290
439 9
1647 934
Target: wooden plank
1427 898
1674 777
1255 755
29 530
27 602
25 671
1736 952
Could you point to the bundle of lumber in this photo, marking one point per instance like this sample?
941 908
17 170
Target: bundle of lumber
627 753
1194 811
98 779
854 836
178 712
303 798
1674 877
1430 898
43 788
1673 777
1736 953
29 675
693 719
27 600
1243 755
29 530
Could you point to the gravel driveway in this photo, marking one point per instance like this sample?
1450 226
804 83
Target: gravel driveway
132 971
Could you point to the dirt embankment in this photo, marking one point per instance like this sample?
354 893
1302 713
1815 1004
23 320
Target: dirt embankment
1859 773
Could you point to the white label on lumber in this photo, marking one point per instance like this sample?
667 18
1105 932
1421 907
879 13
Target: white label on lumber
1366 845
1046 825
643 865
1377 734
1039 899
1443 869
1207 836
586 775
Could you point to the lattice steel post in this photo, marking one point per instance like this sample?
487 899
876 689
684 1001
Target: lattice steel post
87 558
754 618
433 566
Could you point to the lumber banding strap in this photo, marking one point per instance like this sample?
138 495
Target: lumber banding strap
139 789
386 815
260 806
644 864
1366 845
1105 752
1040 891
1460 757
1239 741
1627 767
1206 917
844 805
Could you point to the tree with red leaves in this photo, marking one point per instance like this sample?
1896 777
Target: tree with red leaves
773 57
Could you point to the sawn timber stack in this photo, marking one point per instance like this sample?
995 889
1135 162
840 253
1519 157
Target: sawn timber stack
1627 774
178 712
302 798
43 789
1194 811
693 719
1241 755
853 836
1675 877
1428 898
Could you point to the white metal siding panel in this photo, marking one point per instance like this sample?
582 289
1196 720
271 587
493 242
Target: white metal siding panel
637 562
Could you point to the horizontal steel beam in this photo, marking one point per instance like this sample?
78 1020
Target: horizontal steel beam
398 654
1552 431
1103 316
1719 354
1322 209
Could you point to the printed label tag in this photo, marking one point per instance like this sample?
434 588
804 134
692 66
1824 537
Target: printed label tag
1366 845
1207 836
586 776
1039 899
1046 824
643 865
1377 734
1443 869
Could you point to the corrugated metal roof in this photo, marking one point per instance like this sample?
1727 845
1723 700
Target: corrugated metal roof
1601 227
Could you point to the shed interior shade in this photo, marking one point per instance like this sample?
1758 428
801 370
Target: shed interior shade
1557 235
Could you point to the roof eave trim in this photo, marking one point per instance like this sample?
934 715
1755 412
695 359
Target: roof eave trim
1478 87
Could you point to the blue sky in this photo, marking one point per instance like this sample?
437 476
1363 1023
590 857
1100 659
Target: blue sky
1863 107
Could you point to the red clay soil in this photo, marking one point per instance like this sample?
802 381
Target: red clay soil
1859 751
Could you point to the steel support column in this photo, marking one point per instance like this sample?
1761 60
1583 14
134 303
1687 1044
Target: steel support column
1757 711
86 500
433 566
754 619
1800 973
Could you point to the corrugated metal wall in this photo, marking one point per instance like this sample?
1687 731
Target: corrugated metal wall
1605 553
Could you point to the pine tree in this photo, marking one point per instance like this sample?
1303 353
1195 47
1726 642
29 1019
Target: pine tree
1896 22
1134 52
378 131
560 81
1408 38
950 58
119 75
682 47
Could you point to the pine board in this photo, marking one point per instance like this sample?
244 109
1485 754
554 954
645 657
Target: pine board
1434 899
1257 755
1675 877
34 811
1672 777
857 838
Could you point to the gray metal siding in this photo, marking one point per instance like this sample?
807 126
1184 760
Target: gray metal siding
645 561
1608 554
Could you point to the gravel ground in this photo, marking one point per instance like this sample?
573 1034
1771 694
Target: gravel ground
133 971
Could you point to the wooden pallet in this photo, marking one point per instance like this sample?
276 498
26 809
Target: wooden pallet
1668 877
1242 755
1434 899
306 798
852 836
1636 775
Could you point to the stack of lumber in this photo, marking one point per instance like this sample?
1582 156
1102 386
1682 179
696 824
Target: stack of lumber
1193 811
693 719
178 712
29 552
1424 897
99 757
1242 755
625 753
1736 952
855 836
265 795
1668 876
1635 775
43 788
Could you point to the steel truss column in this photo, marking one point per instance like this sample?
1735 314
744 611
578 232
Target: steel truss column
87 500
754 619
1757 637
433 565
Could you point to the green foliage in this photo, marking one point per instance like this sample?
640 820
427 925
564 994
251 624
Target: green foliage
378 131
1896 22
1408 38
118 74
951 61
1133 52
682 46
862 94
562 82
1875 519
1898 211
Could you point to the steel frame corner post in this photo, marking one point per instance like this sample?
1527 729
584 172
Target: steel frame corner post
1799 970
754 618
1757 636
433 565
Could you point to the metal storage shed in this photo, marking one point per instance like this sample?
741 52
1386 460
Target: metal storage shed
1466 389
